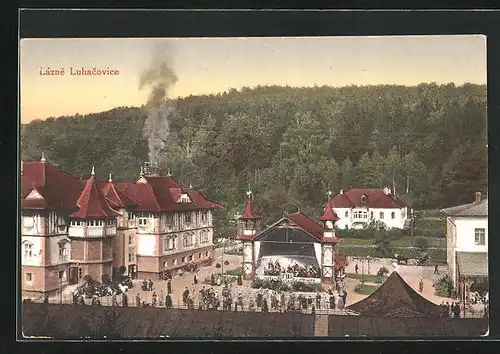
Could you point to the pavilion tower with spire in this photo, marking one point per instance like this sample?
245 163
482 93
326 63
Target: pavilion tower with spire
329 241
92 229
249 220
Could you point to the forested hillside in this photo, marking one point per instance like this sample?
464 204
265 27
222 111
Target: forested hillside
291 144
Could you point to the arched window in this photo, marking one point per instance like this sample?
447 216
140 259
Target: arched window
364 199
63 247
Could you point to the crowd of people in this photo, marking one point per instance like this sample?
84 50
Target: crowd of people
275 269
449 310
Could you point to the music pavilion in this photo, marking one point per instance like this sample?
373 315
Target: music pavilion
296 242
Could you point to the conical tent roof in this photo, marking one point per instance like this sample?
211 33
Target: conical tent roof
395 298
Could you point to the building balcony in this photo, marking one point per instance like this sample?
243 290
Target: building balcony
91 231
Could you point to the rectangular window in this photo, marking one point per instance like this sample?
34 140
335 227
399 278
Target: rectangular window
190 258
28 277
199 256
381 215
206 254
393 215
131 257
187 217
183 259
143 221
371 214
204 216
175 261
130 239
188 240
61 274
28 250
203 236
479 237
346 214
131 216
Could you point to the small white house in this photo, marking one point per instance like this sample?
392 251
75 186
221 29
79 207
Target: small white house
358 207
467 243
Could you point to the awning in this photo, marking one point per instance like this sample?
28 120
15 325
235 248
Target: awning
472 263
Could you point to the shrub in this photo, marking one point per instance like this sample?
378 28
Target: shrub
383 271
444 286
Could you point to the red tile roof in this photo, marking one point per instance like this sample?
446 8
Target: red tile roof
249 212
161 194
375 198
328 214
92 203
115 197
59 189
307 224
62 191
245 237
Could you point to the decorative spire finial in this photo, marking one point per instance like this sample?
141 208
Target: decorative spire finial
190 185
142 171
93 171
43 157
110 179
249 191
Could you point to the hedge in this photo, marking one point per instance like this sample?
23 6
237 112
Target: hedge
436 254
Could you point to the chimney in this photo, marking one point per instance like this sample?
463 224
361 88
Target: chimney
478 197
341 191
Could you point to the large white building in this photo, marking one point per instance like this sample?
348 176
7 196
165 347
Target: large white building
467 244
356 208
73 227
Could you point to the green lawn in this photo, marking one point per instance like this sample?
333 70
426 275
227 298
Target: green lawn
370 278
366 289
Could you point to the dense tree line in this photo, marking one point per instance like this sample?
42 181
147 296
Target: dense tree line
292 145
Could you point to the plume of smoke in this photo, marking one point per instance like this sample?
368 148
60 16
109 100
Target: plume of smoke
159 78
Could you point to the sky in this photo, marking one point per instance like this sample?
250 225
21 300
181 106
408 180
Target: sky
215 65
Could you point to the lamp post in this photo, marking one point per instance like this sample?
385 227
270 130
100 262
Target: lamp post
368 261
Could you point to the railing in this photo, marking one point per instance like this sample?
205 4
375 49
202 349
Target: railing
76 231
110 230
287 277
324 308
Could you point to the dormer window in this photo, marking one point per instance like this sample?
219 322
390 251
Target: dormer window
364 199
143 221
184 198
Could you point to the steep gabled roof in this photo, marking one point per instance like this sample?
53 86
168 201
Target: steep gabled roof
307 224
395 298
472 209
249 212
375 198
328 214
199 199
92 203
115 197
58 189
160 194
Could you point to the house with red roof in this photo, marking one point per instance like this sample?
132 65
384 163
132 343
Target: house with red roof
296 240
74 227
356 208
